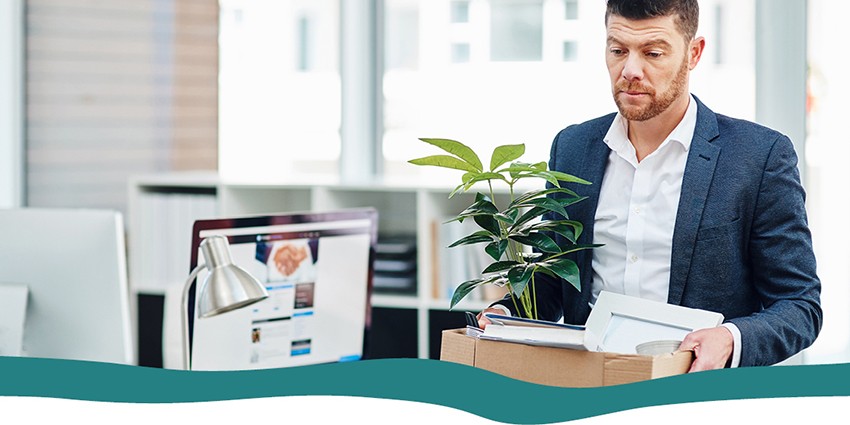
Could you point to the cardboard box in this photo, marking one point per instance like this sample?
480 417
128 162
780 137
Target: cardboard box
560 367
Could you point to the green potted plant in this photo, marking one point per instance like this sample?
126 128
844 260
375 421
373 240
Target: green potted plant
514 234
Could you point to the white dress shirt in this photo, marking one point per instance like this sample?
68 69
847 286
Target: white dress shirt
637 211
636 215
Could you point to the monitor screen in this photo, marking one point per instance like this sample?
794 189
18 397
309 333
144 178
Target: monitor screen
73 265
317 268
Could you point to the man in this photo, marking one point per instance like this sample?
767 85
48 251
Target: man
693 208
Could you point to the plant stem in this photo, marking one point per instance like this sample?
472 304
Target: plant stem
513 298
492 194
534 292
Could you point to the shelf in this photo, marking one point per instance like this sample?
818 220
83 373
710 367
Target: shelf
405 206
395 301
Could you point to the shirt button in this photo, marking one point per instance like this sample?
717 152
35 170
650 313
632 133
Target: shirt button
634 258
637 210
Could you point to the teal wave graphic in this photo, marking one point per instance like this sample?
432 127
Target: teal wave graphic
428 381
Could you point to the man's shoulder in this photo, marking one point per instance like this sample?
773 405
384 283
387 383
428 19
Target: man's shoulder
734 131
730 126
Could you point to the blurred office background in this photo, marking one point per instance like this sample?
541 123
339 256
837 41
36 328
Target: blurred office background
95 91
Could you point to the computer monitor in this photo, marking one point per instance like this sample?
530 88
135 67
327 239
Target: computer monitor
73 265
317 268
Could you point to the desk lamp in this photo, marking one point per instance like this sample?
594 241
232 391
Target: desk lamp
227 287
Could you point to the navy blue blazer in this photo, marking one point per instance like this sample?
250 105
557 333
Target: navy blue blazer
741 243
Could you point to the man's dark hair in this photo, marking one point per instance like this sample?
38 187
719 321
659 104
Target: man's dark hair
685 11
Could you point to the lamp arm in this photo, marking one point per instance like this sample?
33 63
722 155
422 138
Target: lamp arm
185 310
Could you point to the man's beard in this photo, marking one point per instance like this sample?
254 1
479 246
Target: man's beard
658 104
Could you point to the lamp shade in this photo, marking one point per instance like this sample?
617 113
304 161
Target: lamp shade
227 286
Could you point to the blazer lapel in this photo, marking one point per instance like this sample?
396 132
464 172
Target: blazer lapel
594 162
696 181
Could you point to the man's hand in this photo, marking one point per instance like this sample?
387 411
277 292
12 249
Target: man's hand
712 347
483 321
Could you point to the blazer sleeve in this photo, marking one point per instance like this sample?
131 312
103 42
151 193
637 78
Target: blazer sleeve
783 266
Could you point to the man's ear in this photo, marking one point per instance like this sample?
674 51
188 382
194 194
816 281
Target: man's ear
695 49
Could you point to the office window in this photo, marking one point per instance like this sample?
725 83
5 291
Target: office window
571 10
827 175
491 100
484 102
460 11
402 50
280 88
570 51
718 31
305 47
727 83
460 52
516 30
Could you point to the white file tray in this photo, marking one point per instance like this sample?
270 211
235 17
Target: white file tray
618 323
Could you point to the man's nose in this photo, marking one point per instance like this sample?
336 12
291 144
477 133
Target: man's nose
633 67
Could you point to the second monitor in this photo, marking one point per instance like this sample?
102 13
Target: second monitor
317 268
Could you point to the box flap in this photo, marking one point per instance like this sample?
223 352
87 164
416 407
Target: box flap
672 364
456 347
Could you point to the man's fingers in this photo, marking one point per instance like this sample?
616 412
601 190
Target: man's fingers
483 321
712 348
689 343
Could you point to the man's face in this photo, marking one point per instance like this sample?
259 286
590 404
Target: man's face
648 62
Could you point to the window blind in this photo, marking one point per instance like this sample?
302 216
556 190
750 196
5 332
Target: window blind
116 88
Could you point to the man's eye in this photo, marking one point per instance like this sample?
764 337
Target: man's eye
654 54
617 52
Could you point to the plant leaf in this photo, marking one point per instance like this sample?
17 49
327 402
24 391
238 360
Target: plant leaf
542 165
543 192
506 153
457 149
485 176
504 218
481 206
519 277
569 178
482 197
477 237
539 241
569 229
496 249
565 269
544 175
524 166
457 190
500 266
528 216
565 202
548 204
517 167
577 247
488 223
464 289
444 161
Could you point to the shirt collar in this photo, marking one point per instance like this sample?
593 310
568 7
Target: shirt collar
617 137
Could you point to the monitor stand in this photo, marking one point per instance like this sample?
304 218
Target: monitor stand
13 308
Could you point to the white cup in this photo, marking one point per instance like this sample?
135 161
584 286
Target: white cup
654 348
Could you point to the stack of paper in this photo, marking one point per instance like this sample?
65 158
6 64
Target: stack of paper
534 332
